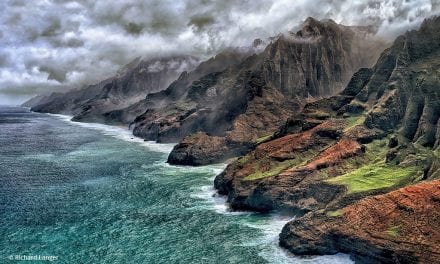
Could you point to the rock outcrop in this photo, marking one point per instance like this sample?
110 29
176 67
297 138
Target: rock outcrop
397 227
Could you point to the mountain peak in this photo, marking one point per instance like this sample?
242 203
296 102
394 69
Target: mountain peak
310 20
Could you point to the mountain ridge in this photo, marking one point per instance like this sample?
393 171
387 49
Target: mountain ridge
279 79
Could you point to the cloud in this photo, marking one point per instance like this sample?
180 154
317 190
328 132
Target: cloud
134 28
53 73
4 59
200 22
48 45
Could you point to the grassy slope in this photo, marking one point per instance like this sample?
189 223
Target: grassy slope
275 169
375 173
375 176
359 174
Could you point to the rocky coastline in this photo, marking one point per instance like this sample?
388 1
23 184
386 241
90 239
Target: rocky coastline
343 137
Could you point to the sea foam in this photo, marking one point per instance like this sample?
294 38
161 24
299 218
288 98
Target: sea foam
273 253
118 132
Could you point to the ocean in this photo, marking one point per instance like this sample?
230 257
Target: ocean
90 193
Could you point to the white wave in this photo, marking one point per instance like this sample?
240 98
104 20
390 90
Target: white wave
270 227
97 182
118 132
214 201
211 200
213 169
273 253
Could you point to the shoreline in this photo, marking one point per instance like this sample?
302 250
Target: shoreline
119 132
272 227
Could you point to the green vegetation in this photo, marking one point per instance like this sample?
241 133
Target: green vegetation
376 151
436 152
268 167
353 121
374 176
393 231
275 169
335 213
319 115
263 138
179 108
244 159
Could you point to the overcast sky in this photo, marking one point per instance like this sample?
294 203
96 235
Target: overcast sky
50 45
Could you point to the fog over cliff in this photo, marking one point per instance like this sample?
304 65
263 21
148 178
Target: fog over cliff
48 45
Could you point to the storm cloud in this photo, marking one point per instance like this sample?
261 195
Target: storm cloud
48 45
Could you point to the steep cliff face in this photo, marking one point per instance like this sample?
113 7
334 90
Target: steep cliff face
247 103
68 103
130 85
164 100
318 60
379 134
406 86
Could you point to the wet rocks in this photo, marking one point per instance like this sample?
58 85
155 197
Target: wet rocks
201 149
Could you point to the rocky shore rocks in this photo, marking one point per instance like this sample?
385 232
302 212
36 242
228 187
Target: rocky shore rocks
201 149
397 227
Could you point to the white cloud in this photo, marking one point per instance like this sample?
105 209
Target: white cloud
58 44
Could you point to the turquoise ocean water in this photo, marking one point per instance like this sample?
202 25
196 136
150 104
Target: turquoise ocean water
90 193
